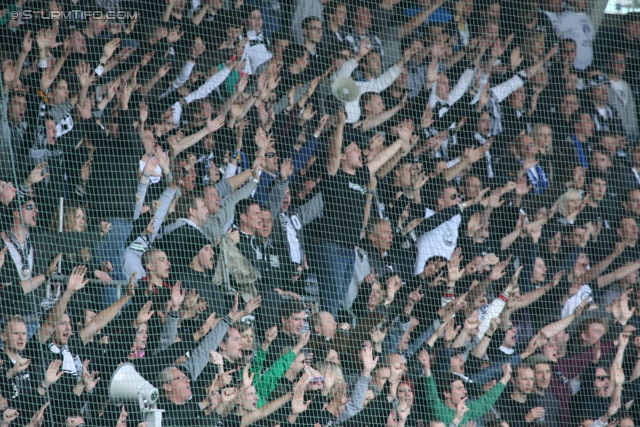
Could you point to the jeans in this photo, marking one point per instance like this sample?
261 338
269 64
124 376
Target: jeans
335 271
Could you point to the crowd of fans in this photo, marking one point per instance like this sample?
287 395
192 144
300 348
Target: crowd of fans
454 244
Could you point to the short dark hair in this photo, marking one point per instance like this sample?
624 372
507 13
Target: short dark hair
330 8
289 308
444 381
187 202
308 20
407 42
281 35
583 328
292 52
592 175
242 207
576 117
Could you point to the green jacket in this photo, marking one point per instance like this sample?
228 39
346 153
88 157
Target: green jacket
7 17
231 81
477 408
270 379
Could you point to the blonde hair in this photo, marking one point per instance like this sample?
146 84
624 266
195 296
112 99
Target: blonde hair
68 219
323 368
570 194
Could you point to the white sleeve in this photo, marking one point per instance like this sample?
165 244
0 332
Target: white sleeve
176 114
494 310
185 72
230 170
503 90
382 82
209 86
461 87
347 69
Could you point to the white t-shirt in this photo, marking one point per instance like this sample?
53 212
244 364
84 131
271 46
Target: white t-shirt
441 241
158 171
578 27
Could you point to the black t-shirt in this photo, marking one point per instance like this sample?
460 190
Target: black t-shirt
513 411
21 390
344 199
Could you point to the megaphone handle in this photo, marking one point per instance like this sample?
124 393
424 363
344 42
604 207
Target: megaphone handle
154 417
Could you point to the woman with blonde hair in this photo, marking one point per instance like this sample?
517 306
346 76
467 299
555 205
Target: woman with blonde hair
570 204
75 242
533 47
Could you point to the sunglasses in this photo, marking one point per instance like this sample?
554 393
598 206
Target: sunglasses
30 207
454 196
271 155
602 377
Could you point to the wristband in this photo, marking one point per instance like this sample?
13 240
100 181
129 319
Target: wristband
504 298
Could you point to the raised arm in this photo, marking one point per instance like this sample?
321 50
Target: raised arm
75 283
191 140
103 318
403 143
266 410
617 274
335 146
552 329
413 23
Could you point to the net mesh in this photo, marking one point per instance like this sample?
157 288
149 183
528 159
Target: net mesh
404 213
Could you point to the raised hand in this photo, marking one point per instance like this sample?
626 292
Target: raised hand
453 266
145 313
177 296
368 362
263 140
110 47
498 272
297 402
425 361
89 379
8 416
37 174
365 47
269 336
76 280
303 340
247 377
286 169
38 417
253 305
215 124
415 296
52 375
215 358
19 366
9 73
377 336
461 410
174 35
162 71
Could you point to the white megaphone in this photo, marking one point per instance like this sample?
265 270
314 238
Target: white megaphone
128 385
345 89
